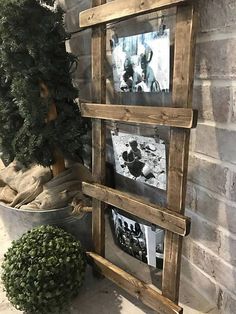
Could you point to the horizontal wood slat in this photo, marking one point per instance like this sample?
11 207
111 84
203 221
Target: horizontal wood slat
119 9
174 117
157 215
137 288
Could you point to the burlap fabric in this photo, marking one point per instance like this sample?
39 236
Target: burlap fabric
35 188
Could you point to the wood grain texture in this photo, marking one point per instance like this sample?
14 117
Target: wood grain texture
137 288
123 9
98 52
157 215
178 157
179 144
174 117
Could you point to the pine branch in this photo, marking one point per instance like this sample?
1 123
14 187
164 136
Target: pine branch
32 50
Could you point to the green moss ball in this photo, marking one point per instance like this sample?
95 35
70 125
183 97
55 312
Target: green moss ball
43 270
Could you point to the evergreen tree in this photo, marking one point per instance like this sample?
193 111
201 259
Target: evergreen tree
32 55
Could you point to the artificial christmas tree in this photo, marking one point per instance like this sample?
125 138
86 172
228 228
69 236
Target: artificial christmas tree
39 118
40 122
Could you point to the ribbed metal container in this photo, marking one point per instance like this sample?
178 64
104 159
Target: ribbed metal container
18 221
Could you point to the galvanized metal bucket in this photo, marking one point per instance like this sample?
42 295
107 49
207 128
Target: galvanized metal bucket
19 221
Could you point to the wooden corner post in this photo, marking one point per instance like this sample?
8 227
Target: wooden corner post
179 143
98 130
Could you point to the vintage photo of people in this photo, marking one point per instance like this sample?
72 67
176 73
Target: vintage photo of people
138 240
141 63
140 158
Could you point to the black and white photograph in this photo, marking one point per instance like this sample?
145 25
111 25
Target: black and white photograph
141 63
140 158
138 240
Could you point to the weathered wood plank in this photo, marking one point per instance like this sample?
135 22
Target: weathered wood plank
134 286
123 9
98 52
174 117
179 144
157 215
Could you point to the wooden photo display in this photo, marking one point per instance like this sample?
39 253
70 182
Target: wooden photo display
181 118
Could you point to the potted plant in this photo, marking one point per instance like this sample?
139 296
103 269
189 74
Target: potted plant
40 122
43 270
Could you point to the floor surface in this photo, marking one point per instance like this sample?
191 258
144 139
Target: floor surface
103 297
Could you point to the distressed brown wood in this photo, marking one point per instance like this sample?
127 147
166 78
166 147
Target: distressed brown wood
137 288
98 52
123 9
174 117
179 144
157 215
173 220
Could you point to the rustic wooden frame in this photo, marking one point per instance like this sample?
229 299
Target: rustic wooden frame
181 118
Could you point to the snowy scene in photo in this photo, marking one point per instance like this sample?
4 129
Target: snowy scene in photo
141 63
140 158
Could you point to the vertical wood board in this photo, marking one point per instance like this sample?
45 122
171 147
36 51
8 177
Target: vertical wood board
98 53
179 144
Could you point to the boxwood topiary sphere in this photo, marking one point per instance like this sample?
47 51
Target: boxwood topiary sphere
43 270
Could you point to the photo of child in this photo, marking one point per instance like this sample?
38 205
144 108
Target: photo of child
140 158
141 63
